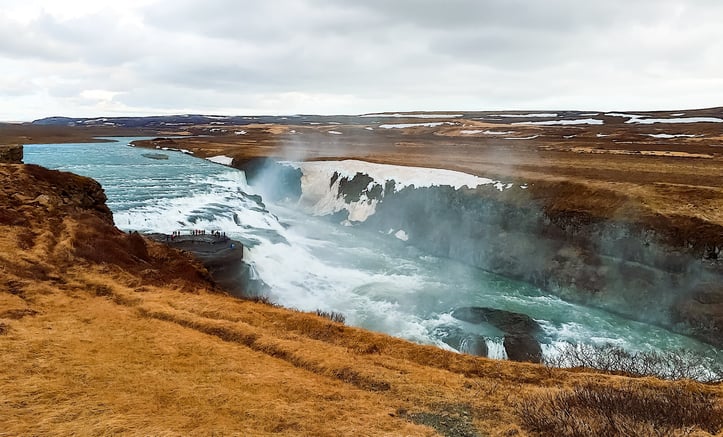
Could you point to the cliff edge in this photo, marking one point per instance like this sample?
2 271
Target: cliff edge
103 332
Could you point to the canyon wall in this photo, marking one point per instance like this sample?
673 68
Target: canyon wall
652 269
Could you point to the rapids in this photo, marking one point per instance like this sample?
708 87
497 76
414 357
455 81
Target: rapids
376 280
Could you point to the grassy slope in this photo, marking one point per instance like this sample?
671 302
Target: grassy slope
103 332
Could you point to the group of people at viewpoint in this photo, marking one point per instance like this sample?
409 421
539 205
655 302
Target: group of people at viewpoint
195 232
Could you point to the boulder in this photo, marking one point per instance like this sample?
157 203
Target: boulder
11 154
520 329
506 321
520 347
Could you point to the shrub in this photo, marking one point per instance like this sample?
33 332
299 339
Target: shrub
332 315
631 410
676 364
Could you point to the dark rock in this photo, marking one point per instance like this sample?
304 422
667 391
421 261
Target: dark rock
520 347
159 156
520 329
506 321
12 154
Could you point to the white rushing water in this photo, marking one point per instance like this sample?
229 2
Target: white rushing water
377 280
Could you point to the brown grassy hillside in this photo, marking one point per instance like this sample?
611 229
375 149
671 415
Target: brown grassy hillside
107 333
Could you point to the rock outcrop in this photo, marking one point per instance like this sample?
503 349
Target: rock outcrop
651 274
11 154
519 329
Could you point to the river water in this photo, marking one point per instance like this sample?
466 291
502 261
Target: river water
375 280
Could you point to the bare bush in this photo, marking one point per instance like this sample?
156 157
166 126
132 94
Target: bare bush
676 364
630 410
332 315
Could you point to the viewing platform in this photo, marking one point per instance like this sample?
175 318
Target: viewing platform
200 241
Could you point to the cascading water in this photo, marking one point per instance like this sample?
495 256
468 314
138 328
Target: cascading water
377 280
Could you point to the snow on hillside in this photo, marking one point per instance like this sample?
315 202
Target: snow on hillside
591 121
321 197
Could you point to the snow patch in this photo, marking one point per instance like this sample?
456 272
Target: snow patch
522 138
240 132
669 136
591 121
413 115
499 132
402 235
620 114
640 119
676 120
486 132
171 149
322 198
335 132
537 114
406 125
221 159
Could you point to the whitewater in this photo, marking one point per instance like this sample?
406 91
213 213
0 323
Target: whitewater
375 279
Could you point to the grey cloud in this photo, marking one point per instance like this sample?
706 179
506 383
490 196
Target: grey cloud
415 54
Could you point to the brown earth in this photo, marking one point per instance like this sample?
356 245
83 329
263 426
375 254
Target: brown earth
103 333
616 169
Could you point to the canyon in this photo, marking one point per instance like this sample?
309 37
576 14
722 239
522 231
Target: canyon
98 324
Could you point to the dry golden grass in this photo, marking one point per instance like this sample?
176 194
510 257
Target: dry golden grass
134 339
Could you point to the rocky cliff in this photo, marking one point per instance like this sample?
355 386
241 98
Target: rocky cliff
647 273
12 154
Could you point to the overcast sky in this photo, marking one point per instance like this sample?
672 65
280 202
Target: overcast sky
143 57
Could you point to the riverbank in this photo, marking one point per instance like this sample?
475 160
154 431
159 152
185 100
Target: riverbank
105 332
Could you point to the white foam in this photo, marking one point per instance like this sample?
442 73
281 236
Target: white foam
496 348
470 132
221 159
402 235
240 132
589 121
